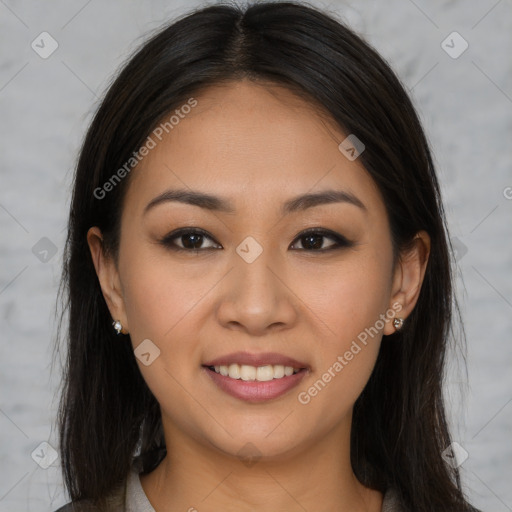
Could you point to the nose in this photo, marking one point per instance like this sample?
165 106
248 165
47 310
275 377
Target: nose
256 297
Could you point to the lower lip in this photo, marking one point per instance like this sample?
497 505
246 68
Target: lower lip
255 391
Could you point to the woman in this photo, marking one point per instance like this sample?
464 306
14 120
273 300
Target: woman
258 279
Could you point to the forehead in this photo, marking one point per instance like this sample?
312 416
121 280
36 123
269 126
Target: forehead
247 142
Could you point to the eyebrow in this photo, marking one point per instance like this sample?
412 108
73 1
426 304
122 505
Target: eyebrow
215 203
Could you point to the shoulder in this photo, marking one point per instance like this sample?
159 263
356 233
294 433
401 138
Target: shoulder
113 505
78 506
115 502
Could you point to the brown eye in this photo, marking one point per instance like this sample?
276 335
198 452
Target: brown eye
187 239
315 240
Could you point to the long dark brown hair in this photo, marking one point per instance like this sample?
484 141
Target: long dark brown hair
107 414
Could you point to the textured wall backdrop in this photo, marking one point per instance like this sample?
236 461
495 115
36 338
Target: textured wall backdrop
464 96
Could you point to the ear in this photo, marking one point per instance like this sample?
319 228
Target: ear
108 276
408 277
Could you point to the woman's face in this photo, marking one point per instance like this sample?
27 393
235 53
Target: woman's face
254 284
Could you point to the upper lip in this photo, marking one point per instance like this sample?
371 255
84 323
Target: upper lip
262 359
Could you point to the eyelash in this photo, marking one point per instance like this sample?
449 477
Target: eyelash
340 241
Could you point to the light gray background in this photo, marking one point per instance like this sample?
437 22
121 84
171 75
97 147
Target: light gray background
46 104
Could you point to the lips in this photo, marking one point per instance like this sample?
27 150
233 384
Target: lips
255 391
262 359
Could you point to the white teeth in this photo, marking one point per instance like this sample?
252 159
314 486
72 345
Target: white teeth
234 371
247 372
278 371
265 373
260 373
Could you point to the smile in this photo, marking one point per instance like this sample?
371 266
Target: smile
260 373
255 384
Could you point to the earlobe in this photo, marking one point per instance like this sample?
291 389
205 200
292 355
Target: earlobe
108 277
408 279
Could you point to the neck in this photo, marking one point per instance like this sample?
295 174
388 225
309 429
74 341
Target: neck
316 478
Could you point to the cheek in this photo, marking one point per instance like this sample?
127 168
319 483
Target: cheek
159 293
162 301
348 304
166 302
347 297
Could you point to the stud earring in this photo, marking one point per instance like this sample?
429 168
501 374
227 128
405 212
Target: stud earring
398 323
117 326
